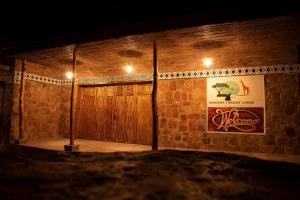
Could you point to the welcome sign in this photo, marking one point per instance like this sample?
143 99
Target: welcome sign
236 104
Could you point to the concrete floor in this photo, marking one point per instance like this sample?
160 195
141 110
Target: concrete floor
101 146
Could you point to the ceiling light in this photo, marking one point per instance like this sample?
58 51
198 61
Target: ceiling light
129 69
69 75
207 62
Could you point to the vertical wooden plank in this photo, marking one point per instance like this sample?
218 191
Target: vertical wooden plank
154 100
92 104
110 94
100 114
109 117
88 117
130 124
119 118
78 113
131 114
144 113
119 113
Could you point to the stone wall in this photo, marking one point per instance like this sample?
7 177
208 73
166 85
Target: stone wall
5 118
45 105
181 112
64 123
182 117
6 77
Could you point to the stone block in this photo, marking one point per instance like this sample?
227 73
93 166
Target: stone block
175 113
163 123
183 126
169 98
184 96
194 116
177 96
193 125
183 117
172 85
177 137
172 124
290 132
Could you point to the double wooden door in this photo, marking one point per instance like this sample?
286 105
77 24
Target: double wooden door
120 113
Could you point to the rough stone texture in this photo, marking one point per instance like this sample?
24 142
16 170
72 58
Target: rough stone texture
5 118
283 112
187 127
181 112
46 109
64 123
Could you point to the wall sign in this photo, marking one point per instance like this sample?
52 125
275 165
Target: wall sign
236 104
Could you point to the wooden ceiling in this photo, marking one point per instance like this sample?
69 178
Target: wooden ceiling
108 57
229 44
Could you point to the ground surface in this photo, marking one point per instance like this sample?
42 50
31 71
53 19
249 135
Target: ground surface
31 173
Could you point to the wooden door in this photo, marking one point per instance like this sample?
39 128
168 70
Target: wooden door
120 113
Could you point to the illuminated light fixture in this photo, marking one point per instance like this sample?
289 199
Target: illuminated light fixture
69 75
207 62
129 69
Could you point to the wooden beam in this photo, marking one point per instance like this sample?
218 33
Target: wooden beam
21 102
2 131
154 100
73 98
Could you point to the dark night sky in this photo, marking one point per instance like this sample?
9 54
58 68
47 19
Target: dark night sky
32 24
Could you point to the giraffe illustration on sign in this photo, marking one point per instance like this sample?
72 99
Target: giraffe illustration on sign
246 89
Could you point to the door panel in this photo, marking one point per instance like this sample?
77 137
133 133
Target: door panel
144 120
130 123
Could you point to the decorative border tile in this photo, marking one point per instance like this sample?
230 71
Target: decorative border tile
34 77
237 71
66 82
112 79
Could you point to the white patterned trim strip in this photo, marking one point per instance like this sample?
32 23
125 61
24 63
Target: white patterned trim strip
237 71
112 79
34 77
